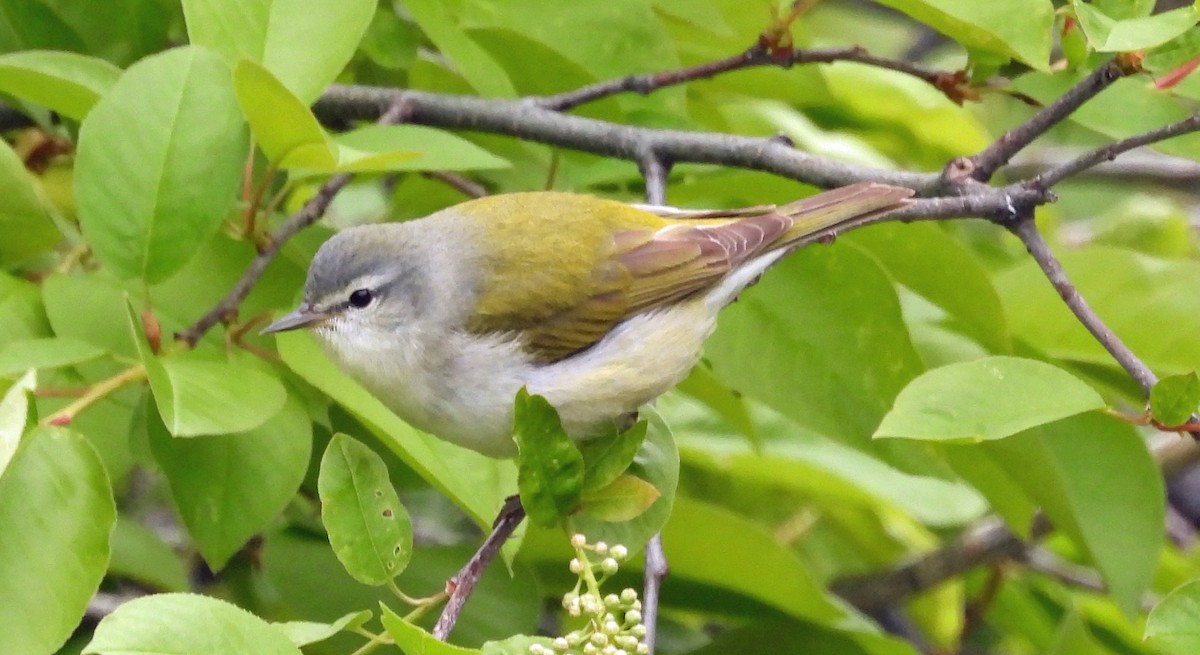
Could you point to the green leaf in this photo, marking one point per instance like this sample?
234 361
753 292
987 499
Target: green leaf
368 527
186 623
1174 399
1174 624
426 149
139 554
160 163
606 458
227 487
56 511
24 218
476 483
989 398
45 353
472 61
801 339
303 633
1091 473
304 43
66 82
622 499
549 466
703 386
412 639
283 126
14 416
1019 29
198 396
1105 34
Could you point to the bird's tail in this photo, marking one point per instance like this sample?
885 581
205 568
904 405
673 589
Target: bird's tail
818 217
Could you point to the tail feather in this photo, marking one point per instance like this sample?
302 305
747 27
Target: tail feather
818 216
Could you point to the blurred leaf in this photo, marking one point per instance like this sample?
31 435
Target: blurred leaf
304 43
1090 473
14 416
1107 34
56 511
412 639
821 340
427 149
66 82
226 487
368 527
1074 638
1017 28
303 633
989 398
777 636
1172 624
472 61
160 163
1173 399
282 125
21 312
44 353
606 458
475 483
703 386
122 31
24 218
549 466
140 555
623 499
186 623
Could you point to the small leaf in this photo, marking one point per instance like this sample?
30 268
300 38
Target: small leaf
186 623
1014 28
14 416
206 396
606 458
412 639
988 398
369 529
549 466
66 82
1174 624
141 555
284 127
45 353
1108 35
621 500
1174 399
56 512
303 633
160 163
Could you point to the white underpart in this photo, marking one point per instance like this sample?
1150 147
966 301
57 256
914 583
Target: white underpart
460 386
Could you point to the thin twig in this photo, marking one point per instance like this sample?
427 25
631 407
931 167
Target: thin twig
95 393
1109 152
1144 165
310 213
755 56
1026 230
464 581
460 183
990 159
657 570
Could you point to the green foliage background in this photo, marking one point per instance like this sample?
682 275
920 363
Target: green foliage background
863 405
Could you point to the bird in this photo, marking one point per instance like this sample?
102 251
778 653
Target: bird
597 305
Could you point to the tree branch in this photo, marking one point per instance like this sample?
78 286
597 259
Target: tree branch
656 571
1109 152
990 159
755 56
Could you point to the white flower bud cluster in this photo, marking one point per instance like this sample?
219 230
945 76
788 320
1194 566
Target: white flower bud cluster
614 625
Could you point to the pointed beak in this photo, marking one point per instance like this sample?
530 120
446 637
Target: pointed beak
303 316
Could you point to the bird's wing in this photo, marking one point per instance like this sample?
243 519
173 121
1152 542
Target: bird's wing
644 261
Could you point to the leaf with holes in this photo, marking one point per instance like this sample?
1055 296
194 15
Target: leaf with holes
368 527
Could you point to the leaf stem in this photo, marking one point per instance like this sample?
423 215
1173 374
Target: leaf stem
94 393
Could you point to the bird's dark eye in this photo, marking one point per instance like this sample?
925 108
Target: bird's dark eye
361 298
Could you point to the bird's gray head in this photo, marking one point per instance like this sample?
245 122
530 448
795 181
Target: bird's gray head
364 280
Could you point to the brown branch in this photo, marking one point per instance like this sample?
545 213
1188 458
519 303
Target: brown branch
463 583
523 119
1147 166
310 213
1109 152
755 56
985 163
460 183
656 570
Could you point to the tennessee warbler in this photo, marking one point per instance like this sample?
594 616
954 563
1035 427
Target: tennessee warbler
596 305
